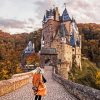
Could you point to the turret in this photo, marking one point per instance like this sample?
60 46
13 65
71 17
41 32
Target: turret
76 32
74 25
56 14
65 16
44 19
29 49
49 15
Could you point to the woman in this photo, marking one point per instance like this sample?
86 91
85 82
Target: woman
40 87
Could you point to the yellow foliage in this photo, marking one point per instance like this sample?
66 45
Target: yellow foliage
98 75
32 59
98 79
18 70
4 72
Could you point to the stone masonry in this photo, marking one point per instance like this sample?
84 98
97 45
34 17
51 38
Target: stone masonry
61 32
79 91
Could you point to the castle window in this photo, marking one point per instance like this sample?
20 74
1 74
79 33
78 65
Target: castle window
73 49
59 61
78 56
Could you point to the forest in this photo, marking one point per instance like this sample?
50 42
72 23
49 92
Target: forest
91 41
12 46
11 49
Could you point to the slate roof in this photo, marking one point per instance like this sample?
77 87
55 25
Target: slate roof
72 39
63 31
65 16
44 19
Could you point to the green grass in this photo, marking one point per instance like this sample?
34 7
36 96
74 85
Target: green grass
86 76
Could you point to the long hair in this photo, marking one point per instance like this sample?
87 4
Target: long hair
39 70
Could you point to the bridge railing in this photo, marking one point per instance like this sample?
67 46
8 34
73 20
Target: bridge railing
79 91
17 81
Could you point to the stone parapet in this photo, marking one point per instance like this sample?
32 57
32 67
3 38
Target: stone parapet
79 91
22 74
7 86
17 81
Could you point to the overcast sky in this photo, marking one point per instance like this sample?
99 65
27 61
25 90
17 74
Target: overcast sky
26 15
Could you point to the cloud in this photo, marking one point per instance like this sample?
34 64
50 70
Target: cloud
28 14
31 20
12 23
13 26
41 7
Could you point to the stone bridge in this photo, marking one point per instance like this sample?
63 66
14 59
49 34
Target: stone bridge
57 89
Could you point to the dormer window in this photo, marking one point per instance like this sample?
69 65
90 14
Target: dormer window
64 17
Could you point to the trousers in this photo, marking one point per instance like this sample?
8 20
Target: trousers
38 97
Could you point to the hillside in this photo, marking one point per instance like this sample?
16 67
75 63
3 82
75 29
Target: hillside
11 48
91 41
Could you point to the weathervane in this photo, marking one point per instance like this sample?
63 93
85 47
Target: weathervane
53 6
65 4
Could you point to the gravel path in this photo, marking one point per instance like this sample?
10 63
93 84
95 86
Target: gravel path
55 91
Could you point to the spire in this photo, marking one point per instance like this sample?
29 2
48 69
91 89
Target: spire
51 12
47 14
44 19
65 15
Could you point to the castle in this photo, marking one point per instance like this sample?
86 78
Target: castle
61 32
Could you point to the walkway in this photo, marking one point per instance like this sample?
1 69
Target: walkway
54 89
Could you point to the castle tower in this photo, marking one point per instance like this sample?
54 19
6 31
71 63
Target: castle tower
76 43
61 33
56 14
50 25
66 20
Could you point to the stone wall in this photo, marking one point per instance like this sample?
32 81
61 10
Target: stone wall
17 81
22 74
49 30
79 91
64 57
78 56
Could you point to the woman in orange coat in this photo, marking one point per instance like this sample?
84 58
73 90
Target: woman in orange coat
39 84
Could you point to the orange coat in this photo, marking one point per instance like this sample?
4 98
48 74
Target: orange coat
37 82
